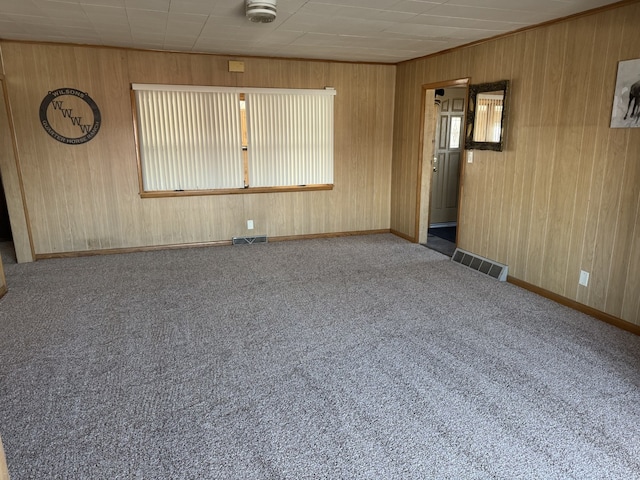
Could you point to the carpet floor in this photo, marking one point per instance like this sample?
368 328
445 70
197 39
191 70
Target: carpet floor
358 358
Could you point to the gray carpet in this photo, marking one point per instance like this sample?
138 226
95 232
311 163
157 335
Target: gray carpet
357 358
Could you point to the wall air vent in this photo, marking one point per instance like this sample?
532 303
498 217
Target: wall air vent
481 264
249 240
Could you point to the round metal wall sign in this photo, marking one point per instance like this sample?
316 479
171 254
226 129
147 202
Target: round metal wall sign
65 115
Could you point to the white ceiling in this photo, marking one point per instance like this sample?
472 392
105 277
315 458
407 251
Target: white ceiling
386 31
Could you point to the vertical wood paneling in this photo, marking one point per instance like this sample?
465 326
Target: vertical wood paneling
565 193
583 82
629 190
12 184
597 229
516 45
538 130
631 299
566 147
502 163
86 197
405 152
596 133
611 164
492 56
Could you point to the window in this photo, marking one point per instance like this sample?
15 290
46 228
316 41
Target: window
195 140
488 118
454 135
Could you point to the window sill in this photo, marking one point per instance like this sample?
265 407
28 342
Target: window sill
234 191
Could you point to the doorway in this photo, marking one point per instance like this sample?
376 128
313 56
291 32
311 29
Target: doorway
7 250
442 163
5 225
15 236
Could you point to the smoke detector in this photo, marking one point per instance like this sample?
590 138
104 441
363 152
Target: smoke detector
261 11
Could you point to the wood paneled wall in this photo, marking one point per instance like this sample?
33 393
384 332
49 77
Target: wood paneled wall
11 182
85 197
565 194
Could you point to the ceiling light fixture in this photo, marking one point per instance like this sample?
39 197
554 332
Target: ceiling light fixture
263 11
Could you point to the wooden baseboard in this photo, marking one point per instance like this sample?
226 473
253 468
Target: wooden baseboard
327 235
4 471
605 317
405 236
112 251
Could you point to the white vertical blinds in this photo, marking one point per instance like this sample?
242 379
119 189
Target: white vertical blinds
488 118
189 140
290 139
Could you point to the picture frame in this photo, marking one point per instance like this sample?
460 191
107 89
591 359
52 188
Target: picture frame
625 112
486 123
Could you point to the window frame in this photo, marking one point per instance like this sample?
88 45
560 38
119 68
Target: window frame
221 191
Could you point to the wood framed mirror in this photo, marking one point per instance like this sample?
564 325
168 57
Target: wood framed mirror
486 116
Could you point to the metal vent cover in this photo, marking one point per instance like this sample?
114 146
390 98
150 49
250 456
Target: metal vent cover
249 240
481 264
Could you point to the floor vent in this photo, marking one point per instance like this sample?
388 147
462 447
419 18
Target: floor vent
249 240
483 265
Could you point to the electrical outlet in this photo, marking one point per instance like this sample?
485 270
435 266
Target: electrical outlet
470 156
249 224
584 278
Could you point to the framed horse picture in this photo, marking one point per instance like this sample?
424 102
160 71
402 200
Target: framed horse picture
626 99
